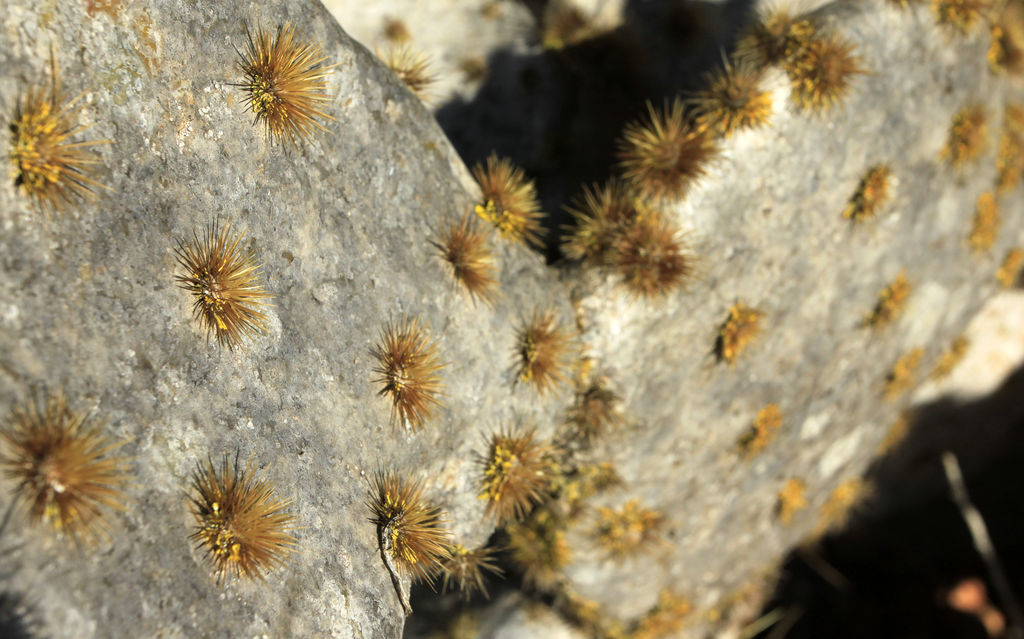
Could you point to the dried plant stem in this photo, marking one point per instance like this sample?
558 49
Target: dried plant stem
762 623
825 570
792 616
982 542
384 534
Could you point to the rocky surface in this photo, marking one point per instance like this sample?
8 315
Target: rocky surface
770 227
88 303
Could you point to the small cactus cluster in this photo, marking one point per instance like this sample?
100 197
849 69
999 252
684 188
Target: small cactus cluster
49 166
465 569
631 529
871 194
410 528
903 374
411 67
842 502
762 431
734 98
665 619
463 247
596 412
535 488
615 228
951 358
509 205
563 24
821 63
242 527
517 471
285 84
892 300
509 201
792 499
542 351
663 155
409 366
537 545
959 15
968 136
224 280
413 541
64 471
985 225
1010 159
737 332
896 433
1009 271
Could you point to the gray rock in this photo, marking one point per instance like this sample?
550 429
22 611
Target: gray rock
341 226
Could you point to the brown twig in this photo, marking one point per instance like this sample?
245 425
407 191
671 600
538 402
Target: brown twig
983 543
384 536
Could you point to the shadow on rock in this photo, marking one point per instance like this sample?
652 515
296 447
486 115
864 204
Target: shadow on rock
905 561
16 617
559 112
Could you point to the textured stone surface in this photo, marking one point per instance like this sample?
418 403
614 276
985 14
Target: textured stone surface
454 35
88 303
768 224
509 616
